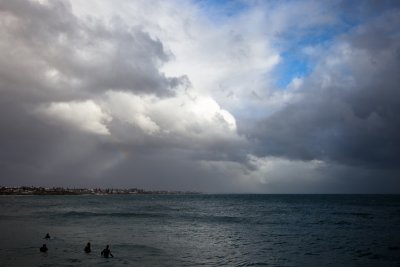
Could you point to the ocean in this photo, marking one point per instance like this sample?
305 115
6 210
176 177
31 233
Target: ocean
201 230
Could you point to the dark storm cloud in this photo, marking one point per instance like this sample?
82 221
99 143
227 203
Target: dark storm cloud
48 54
83 54
84 103
353 120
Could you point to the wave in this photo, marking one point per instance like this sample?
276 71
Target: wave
85 214
215 219
355 214
342 223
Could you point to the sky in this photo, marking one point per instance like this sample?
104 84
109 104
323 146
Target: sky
210 96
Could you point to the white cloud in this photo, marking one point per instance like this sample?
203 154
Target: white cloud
86 115
227 60
231 59
188 116
171 85
132 109
295 83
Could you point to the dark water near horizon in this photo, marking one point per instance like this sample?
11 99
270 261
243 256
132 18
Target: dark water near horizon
202 230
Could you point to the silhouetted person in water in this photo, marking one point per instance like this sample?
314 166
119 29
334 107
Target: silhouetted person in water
47 236
44 248
87 248
107 252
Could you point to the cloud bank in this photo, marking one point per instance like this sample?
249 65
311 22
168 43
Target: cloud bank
265 97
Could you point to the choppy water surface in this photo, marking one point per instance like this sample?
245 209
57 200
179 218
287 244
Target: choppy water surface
202 230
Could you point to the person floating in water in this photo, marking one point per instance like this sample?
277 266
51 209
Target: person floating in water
47 236
107 252
44 248
87 248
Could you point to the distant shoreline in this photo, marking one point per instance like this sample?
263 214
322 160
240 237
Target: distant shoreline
59 191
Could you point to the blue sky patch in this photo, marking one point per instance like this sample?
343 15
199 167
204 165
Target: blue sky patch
294 62
218 10
292 66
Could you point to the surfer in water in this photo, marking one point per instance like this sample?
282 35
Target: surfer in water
87 248
107 252
47 236
44 248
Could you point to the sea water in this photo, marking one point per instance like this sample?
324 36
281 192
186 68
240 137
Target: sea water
201 230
